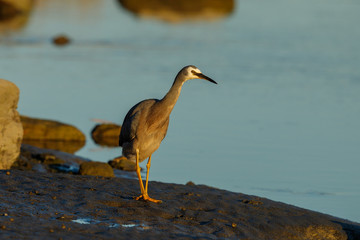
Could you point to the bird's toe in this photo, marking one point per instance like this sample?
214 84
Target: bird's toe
147 198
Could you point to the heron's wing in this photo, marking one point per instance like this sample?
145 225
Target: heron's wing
166 125
132 119
130 124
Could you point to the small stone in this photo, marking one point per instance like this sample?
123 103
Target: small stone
234 225
61 40
96 169
106 134
8 173
122 163
190 183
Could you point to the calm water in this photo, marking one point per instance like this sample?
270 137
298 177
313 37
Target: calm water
282 123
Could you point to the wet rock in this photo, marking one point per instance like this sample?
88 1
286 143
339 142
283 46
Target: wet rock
11 131
52 134
51 160
55 206
61 40
106 134
181 10
122 163
96 169
39 168
64 146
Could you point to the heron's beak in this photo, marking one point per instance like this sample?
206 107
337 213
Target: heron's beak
202 76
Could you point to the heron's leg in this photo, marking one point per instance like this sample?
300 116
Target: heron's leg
138 172
147 173
144 194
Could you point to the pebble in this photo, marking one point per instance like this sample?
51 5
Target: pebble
61 40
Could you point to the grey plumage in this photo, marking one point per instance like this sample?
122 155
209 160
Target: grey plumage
146 123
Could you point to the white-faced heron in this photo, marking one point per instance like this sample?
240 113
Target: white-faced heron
146 124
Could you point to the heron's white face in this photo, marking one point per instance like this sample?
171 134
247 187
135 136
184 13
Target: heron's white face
192 72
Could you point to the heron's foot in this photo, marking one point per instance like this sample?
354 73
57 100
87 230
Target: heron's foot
146 197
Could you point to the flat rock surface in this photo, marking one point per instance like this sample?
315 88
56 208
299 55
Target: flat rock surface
55 205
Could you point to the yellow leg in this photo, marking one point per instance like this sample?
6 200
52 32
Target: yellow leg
138 172
147 173
144 192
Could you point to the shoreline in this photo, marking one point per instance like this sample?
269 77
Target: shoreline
39 205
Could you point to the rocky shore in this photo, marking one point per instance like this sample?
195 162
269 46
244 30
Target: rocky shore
36 205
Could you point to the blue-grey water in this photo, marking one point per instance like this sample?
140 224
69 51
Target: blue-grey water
283 122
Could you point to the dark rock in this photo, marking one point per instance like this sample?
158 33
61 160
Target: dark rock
96 169
64 168
51 160
122 163
39 168
52 134
190 183
180 10
106 134
61 40
56 206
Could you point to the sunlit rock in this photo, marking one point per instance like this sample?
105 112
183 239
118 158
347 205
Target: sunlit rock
181 10
106 134
11 130
14 14
96 169
59 145
52 134
122 163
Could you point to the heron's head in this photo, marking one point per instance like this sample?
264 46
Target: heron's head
192 72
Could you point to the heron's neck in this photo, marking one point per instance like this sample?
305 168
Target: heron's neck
169 100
